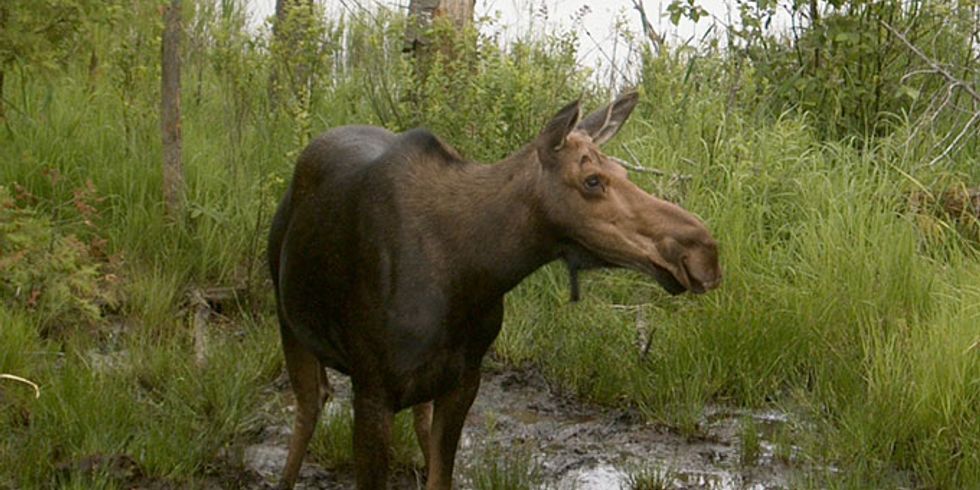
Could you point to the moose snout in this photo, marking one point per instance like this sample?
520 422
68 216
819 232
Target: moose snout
703 275
705 285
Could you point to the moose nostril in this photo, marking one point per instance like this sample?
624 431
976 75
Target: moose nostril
713 282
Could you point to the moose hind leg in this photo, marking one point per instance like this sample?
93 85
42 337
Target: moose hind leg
447 425
372 441
311 389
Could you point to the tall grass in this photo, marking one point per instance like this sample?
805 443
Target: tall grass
840 304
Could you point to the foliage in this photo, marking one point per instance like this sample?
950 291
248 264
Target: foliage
840 65
48 272
473 91
43 33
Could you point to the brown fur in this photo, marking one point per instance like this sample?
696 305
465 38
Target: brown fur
391 255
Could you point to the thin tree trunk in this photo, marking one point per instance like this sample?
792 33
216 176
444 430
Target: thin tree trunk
173 173
460 12
814 25
423 12
420 13
284 40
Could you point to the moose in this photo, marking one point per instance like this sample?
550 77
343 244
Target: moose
391 255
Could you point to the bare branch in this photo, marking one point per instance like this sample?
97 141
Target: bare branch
956 140
932 64
637 168
952 84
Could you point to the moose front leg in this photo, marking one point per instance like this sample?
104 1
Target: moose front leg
447 425
372 440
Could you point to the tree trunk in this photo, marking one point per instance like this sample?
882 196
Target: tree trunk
423 12
284 40
459 12
283 8
173 173
814 25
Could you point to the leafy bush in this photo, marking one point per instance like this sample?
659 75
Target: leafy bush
55 275
487 100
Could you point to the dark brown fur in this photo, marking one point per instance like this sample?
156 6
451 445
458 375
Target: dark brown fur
391 255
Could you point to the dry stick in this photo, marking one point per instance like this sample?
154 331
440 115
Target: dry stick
641 326
636 167
37 389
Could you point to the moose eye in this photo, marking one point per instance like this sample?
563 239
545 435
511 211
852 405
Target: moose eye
593 183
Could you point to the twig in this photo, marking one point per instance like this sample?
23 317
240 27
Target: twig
611 59
974 347
641 327
37 389
637 167
911 74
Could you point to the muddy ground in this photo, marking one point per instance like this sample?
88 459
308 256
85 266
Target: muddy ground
572 445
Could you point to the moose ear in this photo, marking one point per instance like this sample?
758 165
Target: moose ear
553 135
604 123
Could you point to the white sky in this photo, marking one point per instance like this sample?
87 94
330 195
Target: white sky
597 38
600 46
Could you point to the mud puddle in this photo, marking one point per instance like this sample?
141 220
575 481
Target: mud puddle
572 445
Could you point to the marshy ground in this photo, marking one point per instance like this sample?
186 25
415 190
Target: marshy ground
523 429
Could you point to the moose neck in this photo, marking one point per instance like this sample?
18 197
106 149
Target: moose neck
497 236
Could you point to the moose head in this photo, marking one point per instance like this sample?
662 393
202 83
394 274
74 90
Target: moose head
607 220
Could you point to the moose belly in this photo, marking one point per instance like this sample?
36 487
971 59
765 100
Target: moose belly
428 370
439 375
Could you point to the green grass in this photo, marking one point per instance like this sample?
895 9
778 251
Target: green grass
332 443
839 304
750 447
496 469
648 478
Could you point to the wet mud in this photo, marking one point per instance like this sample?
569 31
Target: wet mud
569 444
